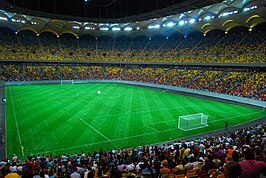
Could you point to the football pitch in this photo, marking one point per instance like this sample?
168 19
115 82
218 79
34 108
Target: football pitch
57 119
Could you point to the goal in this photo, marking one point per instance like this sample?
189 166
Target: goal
66 82
193 121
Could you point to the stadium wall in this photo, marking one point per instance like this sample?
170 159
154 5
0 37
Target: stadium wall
237 99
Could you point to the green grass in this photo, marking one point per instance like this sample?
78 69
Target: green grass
57 119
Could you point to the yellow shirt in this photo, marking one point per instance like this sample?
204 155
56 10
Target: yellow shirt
12 175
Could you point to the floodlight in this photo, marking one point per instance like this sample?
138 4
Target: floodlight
128 29
170 24
207 18
192 20
182 22
116 29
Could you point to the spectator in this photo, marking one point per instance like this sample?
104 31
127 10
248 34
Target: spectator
232 170
250 167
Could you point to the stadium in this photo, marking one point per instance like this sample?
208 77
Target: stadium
155 85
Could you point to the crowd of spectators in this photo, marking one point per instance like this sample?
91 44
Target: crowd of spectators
236 153
249 83
245 47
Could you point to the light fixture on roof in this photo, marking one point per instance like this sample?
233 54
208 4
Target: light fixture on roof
128 29
192 20
207 18
116 29
182 22
170 24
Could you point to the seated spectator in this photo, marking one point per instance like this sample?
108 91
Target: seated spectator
179 167
208 164
232 170
164 171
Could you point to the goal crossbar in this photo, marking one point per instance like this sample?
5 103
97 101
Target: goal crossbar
192 121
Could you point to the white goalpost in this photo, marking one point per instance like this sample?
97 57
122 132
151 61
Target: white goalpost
193 121
66 82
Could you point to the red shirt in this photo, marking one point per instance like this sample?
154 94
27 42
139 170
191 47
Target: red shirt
252 168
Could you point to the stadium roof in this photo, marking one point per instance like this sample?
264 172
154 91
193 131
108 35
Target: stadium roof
223 15
108 10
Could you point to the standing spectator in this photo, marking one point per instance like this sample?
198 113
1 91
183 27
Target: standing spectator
12 174
250 167
75 174
263 142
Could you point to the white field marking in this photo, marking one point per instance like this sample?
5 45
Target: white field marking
151 128
161 122
211 121
145 134
216 110
15 117
94 129
142 111
95 143
117 139
237 116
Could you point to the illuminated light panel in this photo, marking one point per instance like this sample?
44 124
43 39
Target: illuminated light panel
104 29
89 28
3 18
170 24
128 29
207 18
18 21
154 26
116 29
228 21
249 8
192 20
253 16
182 22
75 27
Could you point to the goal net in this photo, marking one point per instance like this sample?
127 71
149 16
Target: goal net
193 121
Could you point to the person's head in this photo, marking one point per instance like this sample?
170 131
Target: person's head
235 156
209 157
232 169
164 163
248 153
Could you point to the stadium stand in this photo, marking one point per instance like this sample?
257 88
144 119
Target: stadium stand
200 157
246 47
233 81
202 60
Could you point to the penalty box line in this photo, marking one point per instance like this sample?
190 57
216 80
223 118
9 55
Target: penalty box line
232 117
102 142
94 129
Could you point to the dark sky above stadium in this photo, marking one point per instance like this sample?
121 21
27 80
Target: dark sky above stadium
107 9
